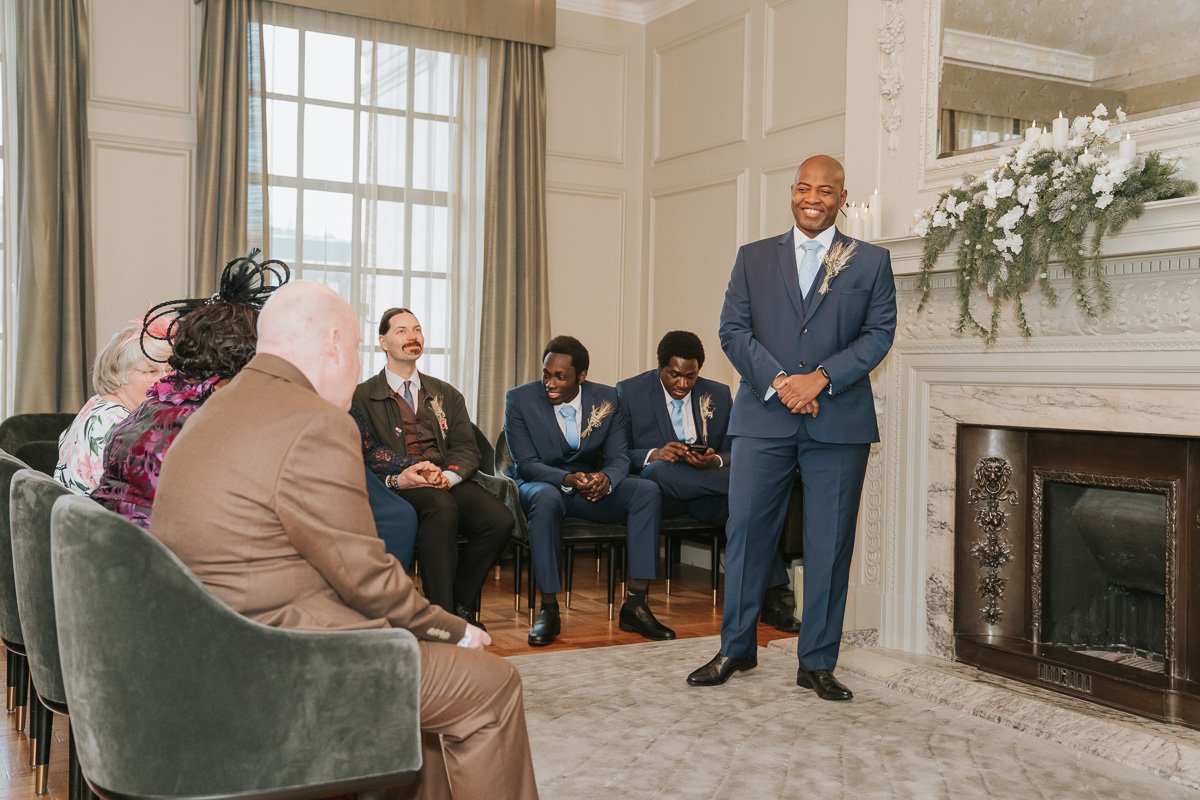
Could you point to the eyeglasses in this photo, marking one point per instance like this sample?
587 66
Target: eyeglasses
158 371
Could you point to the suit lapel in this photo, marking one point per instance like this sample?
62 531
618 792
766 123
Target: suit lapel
699 423
788 272
665 428
815 297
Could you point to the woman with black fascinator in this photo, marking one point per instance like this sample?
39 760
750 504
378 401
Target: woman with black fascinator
211 340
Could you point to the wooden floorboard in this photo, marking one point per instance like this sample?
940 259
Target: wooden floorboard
689 611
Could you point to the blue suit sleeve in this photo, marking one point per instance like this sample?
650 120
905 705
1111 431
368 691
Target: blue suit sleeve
637 455
616 448
752 361
520 444
849 366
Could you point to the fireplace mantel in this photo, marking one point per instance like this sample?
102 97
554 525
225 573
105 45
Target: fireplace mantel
1136 369
1166 226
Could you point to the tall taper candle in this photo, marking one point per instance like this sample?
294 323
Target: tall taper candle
876 217
1062 132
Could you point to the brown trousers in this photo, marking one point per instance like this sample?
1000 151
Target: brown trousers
474 741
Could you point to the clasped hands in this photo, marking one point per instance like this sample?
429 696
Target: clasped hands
674 452
593 486
422 475
799 392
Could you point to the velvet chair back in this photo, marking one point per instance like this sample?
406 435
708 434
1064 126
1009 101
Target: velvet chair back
10 618
31 499
21 428
173 694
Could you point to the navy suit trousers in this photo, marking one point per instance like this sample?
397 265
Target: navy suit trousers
635 502
395 520
831 476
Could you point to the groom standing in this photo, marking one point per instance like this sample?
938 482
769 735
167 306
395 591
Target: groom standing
807 316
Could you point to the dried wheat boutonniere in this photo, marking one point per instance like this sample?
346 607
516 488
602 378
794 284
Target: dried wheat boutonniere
598 415
835 261
435 403
706 413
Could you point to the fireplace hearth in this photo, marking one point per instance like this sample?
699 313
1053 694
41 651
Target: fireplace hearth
1074 556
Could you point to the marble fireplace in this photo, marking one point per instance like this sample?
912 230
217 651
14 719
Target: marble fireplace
1134 372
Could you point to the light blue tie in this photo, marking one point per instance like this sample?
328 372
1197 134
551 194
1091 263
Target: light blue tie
408 398
572 427
677 418
809 265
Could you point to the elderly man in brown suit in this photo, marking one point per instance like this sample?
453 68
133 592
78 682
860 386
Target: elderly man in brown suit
263 497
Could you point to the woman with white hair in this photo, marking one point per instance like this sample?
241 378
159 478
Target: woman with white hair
122 375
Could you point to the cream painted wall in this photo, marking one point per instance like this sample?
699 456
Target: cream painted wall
142 128
595 82
738 93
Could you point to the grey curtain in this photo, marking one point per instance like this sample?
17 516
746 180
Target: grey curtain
230 154
515 322
55 301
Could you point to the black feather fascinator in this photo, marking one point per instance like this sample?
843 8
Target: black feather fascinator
244 281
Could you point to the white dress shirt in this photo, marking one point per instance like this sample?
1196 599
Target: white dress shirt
396 384
689 422
577 404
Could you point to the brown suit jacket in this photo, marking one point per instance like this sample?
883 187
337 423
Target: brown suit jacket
263 497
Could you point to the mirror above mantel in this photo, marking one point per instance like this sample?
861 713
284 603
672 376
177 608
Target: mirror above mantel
1004 66
1151 57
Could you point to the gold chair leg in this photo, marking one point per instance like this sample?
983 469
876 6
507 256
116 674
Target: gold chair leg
714 597
21 716
32 749
568 599
40 779
12 699
668 586
610 612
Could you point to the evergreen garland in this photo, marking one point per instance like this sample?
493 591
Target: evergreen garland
1037 205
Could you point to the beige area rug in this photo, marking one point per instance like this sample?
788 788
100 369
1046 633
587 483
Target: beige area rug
620 722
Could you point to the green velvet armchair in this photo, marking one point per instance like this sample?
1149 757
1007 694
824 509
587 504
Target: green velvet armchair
10 619
175 695
22 428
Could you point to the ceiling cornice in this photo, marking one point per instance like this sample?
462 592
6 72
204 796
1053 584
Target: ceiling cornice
639 11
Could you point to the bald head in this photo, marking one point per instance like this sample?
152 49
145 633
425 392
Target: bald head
817 194
313 328
826 165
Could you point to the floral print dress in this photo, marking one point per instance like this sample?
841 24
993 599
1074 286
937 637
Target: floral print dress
81 446
133 459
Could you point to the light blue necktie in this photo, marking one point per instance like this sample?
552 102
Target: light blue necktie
408 398
809 265
677 418
572 427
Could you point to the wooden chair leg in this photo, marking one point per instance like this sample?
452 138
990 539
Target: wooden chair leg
35 722
669 569
21 690
612 578
41 764
716 568
517 561
598 549
568 570
11 681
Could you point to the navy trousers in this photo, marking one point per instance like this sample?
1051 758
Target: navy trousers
395 520
831 478
635 502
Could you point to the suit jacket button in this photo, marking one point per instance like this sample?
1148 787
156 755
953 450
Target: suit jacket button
804 331
801 365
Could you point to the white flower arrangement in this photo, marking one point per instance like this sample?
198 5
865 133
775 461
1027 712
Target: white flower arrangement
1037 204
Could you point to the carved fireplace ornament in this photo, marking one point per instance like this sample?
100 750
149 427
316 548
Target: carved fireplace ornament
990 493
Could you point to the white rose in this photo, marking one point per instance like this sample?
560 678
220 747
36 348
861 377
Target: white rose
1011 217
1099 126
1120 114
1103 200
921 227
940 220
989 200
1100 111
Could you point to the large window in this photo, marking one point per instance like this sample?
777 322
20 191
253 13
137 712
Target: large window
374 143
6 223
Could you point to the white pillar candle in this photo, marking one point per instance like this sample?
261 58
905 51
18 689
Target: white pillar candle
1127 149
1062 129
1033 133
876 217
1045 141
853 222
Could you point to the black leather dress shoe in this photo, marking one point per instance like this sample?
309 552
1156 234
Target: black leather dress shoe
823 683
778 614
639 619
462 611
545 628
717 671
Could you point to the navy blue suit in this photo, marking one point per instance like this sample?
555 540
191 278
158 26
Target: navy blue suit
768 327
702 494
541 458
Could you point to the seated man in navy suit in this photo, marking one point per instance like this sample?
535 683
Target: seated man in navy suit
570 457
677 426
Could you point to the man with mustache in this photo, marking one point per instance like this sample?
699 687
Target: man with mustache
406 418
